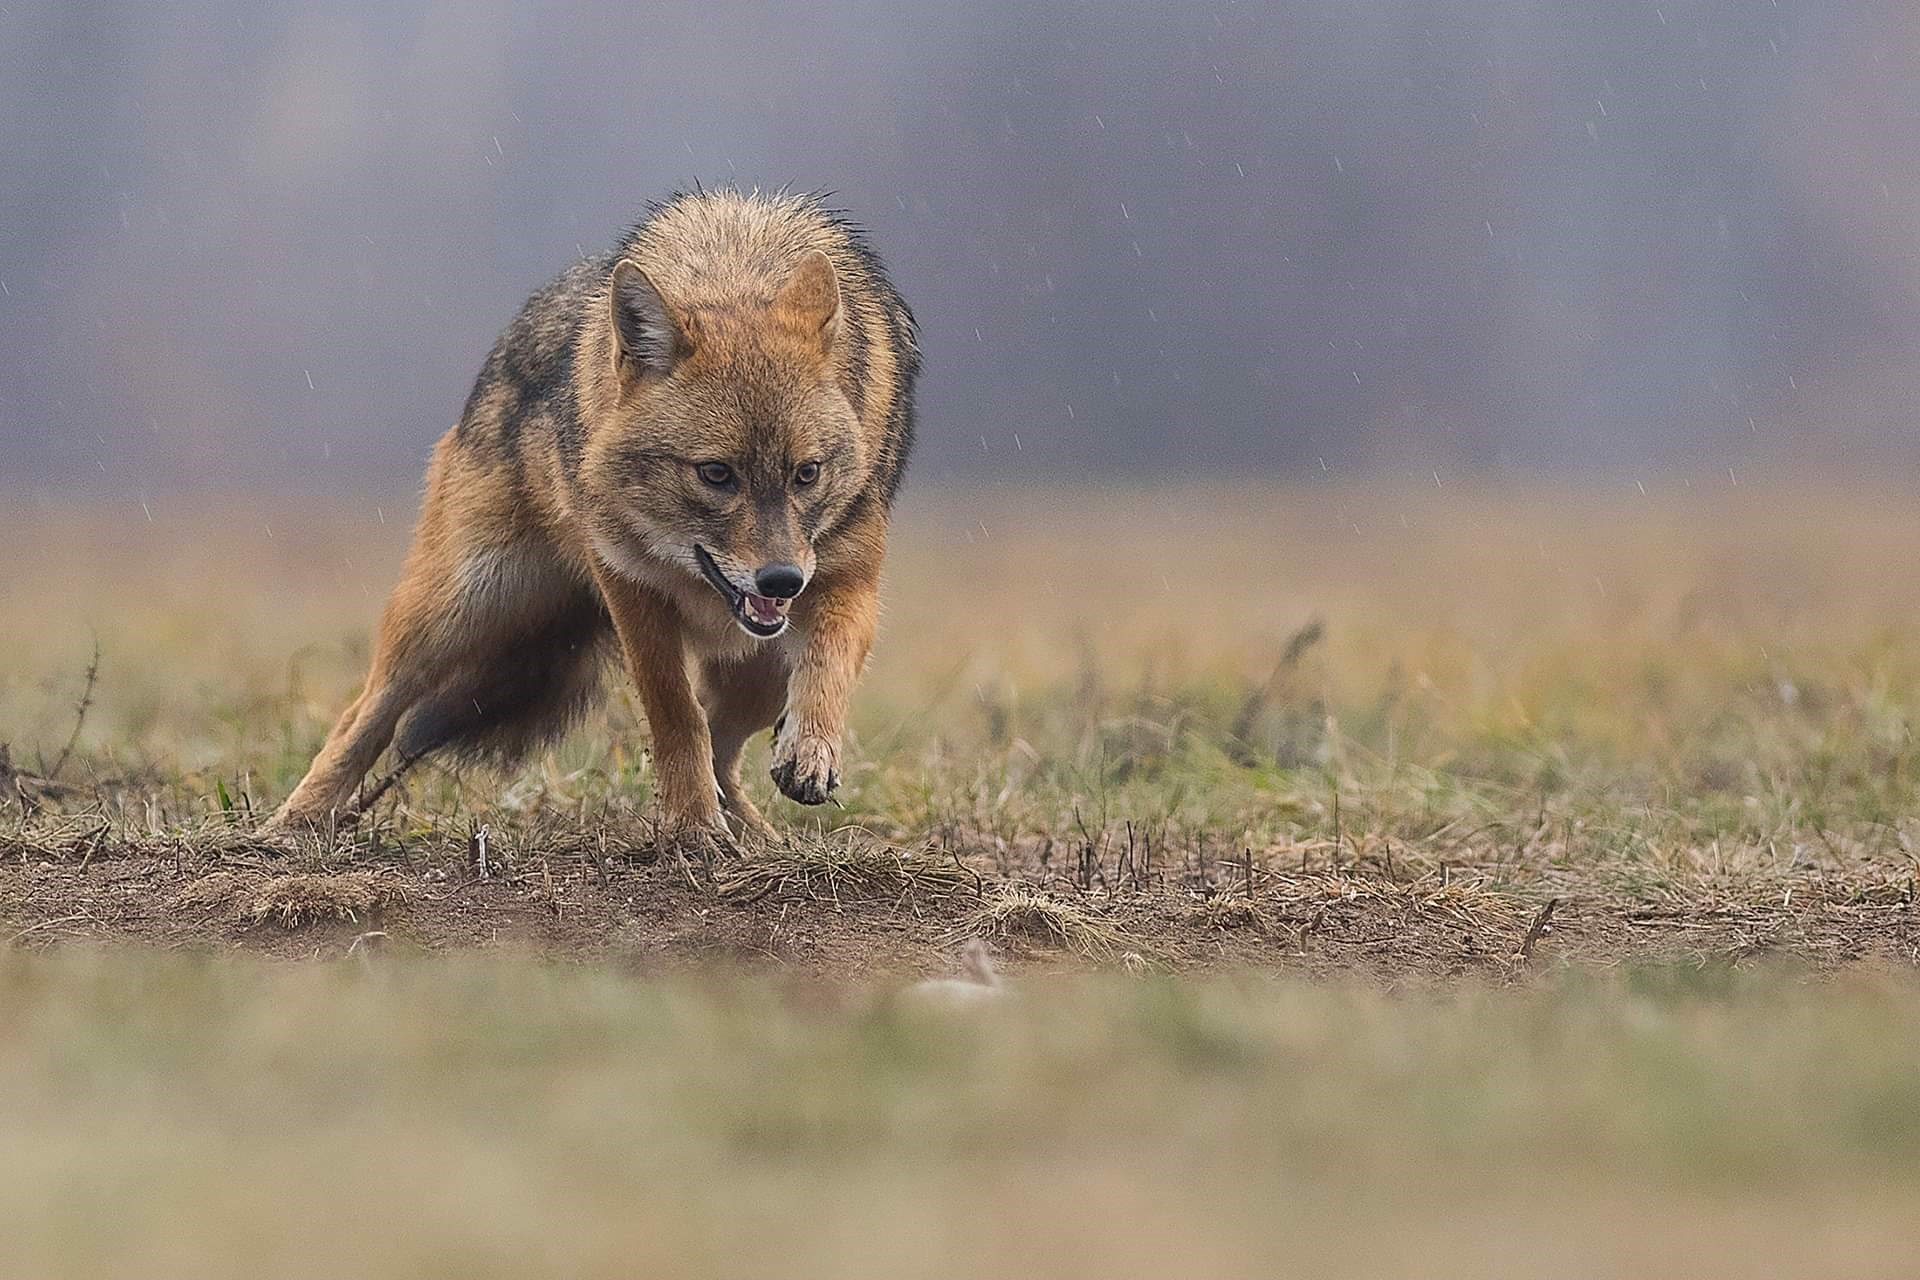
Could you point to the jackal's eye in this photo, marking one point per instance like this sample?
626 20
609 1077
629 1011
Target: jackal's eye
806 473
717 474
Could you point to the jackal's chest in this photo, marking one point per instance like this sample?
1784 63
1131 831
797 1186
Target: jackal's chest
706 620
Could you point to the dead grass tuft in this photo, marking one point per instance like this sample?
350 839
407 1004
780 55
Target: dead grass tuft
216 891
1024 912
294 901
298 900
847 866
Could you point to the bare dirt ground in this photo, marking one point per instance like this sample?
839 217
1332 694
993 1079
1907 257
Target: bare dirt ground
608 899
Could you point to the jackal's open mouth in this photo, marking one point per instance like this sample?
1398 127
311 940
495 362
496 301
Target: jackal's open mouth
762 617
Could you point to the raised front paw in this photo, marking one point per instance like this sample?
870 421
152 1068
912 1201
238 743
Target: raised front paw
806 767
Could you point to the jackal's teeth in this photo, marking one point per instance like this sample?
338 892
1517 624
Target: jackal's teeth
764 610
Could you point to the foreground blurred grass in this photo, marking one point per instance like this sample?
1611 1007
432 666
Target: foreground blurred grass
178 1116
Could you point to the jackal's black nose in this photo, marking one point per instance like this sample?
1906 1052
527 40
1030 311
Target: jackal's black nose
781 581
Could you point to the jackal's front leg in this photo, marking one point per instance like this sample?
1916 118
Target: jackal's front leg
654 641
837 635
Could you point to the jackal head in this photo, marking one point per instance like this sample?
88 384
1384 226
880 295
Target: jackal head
723 443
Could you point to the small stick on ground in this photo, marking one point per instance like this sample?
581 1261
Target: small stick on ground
46 924
1541 923
369 796
477 851
79 711
599 861
93 842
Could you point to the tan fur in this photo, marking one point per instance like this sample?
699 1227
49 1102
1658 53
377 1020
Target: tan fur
566 506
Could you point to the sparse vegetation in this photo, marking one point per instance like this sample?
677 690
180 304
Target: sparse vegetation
1323 730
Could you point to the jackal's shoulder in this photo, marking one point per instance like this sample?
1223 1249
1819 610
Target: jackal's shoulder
528 375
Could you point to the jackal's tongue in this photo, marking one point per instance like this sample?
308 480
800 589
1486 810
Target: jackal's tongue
765 609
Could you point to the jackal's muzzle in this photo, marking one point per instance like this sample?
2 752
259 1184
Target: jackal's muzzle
760 616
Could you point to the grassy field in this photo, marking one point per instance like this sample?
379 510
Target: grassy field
1422 880
1324 729
172 1115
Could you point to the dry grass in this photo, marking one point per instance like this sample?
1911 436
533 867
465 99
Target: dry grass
295 901
1033 916
848 866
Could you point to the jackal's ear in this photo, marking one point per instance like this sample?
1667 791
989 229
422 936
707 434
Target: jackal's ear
811 296
645 332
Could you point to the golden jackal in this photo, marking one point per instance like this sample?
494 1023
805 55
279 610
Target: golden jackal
690 445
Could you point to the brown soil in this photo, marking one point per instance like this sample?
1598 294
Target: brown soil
591 898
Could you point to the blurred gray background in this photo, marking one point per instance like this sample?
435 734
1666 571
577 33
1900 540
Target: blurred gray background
272 241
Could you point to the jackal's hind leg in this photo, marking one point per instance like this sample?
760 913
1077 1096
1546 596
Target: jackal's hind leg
358 737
